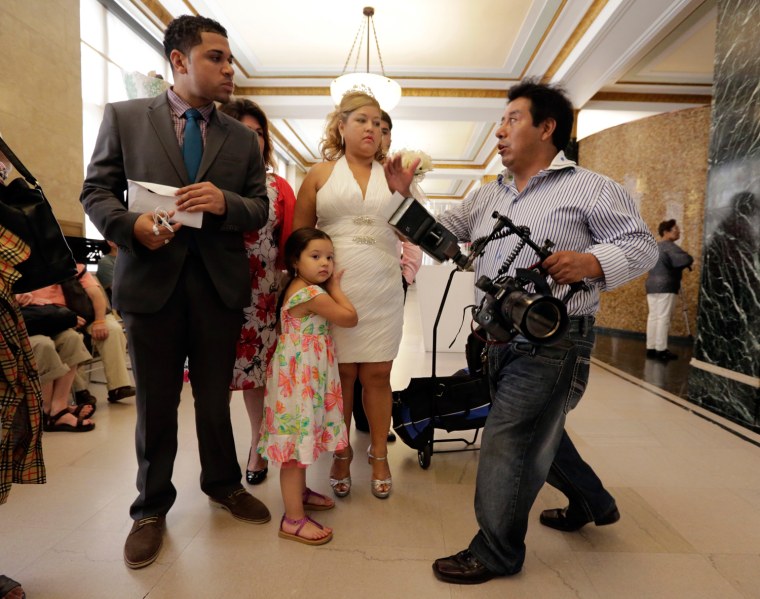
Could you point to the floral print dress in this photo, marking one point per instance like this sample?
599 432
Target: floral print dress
303 402
264 249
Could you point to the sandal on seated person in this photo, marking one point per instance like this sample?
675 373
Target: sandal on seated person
85 398
50 423
297 536
325 502
80 408
10 588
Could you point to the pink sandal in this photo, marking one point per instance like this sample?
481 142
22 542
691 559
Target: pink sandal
316 507
296 536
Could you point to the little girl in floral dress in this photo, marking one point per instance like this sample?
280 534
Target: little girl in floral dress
303 403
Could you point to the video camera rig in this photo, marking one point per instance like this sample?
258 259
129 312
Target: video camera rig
508 307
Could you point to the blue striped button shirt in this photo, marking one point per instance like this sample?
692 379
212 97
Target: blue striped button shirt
577 209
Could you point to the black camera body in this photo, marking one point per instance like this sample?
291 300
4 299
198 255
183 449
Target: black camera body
507 310
508 307
414 222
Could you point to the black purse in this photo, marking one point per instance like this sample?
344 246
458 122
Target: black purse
77 298
48 320
25 211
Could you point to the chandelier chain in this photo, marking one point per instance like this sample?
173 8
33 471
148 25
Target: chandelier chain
351 51
385 90
377 45
362 27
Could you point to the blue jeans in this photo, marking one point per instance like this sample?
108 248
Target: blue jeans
524 442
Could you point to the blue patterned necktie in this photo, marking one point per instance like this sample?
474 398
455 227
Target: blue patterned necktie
192 148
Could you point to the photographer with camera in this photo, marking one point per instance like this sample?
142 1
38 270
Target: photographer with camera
600 239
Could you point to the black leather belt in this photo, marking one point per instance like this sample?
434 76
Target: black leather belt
581 324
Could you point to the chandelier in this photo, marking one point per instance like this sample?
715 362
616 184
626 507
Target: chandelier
386 91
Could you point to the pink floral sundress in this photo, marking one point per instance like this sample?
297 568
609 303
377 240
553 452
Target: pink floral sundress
303 402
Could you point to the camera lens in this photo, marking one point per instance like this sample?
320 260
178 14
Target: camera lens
542 320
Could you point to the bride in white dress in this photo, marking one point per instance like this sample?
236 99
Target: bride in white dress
348 197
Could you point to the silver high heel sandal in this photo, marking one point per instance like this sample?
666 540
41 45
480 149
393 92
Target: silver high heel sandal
376 485
342 486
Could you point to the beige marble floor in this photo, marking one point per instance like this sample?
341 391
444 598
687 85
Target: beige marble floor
687 489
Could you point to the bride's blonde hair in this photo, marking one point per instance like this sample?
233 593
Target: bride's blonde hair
331 146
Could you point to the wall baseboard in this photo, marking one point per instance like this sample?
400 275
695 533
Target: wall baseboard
641 336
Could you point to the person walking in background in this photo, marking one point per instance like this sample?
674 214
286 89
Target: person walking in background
304 400
264 249
347 197
181 290
662 285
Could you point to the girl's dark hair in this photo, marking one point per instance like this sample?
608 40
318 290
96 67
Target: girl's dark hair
297 243
241 107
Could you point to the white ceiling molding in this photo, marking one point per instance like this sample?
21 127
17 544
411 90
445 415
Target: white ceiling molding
623 32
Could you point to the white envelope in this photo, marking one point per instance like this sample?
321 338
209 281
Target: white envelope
146 197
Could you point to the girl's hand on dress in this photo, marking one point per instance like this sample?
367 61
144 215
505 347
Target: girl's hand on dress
333 283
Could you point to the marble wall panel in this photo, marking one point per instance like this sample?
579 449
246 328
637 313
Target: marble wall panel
662 161
728 323
41 98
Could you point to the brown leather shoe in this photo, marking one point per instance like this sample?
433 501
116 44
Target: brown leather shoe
462 568
566 521
144 541
243 506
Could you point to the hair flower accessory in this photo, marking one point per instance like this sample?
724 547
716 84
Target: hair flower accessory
409 156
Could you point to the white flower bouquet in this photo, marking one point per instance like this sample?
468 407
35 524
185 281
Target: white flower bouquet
409 156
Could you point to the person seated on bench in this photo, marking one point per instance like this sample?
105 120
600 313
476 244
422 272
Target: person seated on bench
108 337
57 359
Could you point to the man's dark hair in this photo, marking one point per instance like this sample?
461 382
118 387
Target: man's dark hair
665 226
241 107
185 32
384 116
547 102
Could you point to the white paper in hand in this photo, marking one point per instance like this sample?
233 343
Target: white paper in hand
146 197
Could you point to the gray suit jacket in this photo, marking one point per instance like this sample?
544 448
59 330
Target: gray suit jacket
137 141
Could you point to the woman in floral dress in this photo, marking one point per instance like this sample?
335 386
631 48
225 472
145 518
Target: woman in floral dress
263 247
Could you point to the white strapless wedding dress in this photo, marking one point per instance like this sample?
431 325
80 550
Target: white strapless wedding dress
366 247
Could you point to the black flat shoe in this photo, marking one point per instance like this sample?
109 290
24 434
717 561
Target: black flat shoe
256 477
560 519
462 568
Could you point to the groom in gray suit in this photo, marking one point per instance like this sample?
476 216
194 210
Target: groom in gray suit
181 290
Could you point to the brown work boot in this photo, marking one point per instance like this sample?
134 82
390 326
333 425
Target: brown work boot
144 541
243 506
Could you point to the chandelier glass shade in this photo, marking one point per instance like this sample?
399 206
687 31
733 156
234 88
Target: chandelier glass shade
385 90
